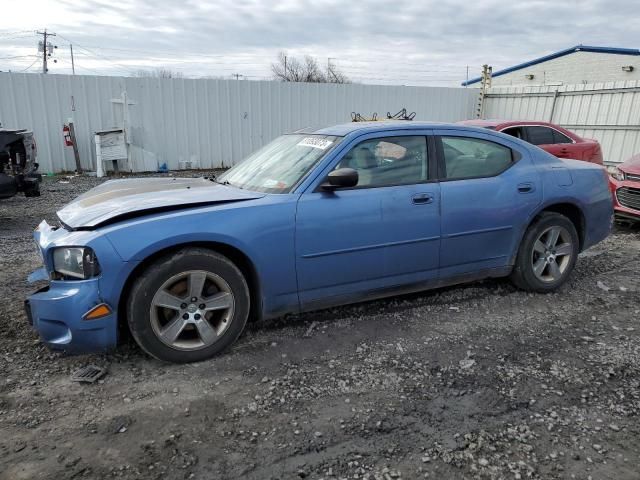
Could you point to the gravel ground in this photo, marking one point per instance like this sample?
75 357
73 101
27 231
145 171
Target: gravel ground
476 381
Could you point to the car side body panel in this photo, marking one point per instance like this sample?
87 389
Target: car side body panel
483 218
585 190
388 236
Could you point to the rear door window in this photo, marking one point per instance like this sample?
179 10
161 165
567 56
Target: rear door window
560 137
540 135
466 157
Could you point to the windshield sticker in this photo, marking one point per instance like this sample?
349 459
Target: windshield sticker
271 183
321 143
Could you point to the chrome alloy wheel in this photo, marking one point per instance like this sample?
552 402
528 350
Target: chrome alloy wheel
551 254
191 310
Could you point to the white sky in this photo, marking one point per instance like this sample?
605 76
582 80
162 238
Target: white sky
410 42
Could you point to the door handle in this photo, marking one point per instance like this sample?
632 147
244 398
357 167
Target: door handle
526 187
422 198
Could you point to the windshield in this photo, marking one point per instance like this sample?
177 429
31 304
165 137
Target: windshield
280 165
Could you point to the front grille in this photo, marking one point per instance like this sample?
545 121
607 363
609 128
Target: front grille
634 177
629 197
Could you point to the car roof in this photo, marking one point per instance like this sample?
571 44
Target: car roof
372 127
504 123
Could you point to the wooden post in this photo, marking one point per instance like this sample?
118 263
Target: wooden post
72 133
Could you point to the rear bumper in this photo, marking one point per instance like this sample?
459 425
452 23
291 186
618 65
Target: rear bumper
56 313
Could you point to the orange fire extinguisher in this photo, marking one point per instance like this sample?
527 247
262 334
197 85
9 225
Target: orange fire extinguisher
66 133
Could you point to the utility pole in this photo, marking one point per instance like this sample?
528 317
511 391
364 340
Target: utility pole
285 69
73 66
45 48
237 75
330 68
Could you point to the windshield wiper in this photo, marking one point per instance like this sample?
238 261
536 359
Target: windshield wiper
224 182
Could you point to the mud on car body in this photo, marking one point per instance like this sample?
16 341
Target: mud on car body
18 167
329 217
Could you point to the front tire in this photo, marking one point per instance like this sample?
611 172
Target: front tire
188 306
547 254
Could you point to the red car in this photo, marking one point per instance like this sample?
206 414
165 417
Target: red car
554 139
625 186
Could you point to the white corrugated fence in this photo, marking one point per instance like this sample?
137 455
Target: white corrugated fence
204 123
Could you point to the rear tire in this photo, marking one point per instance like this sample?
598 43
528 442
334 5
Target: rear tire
547 254
188 306
32 190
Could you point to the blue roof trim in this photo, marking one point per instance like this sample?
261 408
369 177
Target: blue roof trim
561 53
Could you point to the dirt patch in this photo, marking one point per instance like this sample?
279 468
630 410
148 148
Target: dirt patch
476 381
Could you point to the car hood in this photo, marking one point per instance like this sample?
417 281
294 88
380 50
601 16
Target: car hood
118 199
632 165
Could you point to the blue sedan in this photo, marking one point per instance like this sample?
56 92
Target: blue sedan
314 219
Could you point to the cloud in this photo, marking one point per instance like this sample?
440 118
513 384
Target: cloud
376 41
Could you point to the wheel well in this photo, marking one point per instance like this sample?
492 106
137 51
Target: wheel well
573 213
236 256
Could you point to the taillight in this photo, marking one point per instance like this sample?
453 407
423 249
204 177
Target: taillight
596 155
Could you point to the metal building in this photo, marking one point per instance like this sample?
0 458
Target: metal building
581 64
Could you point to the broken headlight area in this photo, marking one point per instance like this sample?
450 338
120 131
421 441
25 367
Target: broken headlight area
74 263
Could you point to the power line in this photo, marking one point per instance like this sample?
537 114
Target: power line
17 34
13 37
88 69
77 65
119 69
96 54
258 55
169 54
17 56
32 64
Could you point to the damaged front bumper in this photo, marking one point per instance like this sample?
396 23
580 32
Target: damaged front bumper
59 311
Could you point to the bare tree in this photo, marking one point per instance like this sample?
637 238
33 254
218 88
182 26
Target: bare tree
288 69
291 69
159 72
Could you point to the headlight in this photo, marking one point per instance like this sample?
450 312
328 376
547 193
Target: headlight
616 173
76 262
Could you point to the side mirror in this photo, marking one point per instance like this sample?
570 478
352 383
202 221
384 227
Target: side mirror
341 178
